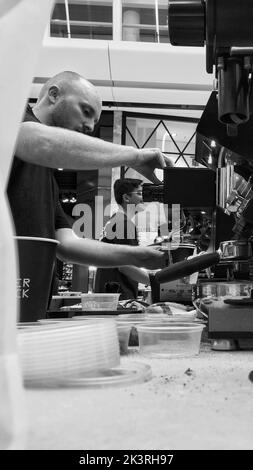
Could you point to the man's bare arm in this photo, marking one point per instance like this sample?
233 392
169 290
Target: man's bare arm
55 147
91 252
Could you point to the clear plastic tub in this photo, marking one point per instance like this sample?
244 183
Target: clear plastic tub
123 330
99 301
169 339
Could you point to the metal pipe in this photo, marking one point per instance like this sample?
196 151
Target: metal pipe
67 18
157 21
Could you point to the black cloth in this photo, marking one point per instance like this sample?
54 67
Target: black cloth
118 230
34 197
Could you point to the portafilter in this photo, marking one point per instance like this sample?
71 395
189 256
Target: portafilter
229 251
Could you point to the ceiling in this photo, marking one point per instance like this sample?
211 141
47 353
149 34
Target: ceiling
130 75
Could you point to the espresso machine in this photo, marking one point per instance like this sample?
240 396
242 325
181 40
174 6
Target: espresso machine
223 295
226 300
225 29
224 144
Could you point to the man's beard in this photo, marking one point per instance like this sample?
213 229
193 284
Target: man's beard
60 117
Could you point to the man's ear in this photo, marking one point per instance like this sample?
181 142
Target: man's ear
53 93
125 198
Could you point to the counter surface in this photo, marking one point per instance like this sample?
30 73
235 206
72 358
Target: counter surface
203 402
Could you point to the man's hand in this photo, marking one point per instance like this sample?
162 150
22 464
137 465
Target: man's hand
148 160
150 257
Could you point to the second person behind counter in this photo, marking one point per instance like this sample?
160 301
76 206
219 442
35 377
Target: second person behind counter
121 229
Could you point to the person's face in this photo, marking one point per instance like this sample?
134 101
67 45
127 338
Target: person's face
77 109
135 197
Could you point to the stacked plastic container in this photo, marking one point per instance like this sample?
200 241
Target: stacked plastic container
75 353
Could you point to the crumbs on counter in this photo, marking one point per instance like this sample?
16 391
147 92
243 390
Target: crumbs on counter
167 379
189 371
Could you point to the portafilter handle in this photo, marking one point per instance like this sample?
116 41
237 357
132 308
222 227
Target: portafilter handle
187 267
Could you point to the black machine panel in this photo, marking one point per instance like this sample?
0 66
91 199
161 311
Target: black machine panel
211 128
190 187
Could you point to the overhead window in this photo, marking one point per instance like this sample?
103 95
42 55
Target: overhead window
85 19
145 21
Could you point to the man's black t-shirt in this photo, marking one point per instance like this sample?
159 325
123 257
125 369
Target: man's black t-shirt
33 197
128 288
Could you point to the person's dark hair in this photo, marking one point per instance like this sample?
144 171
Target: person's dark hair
124 186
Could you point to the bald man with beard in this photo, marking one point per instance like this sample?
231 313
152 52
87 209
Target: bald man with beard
55 134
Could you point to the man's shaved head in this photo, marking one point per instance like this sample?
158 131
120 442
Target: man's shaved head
69 100
65 81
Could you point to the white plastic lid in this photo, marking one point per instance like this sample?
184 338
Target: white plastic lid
131 374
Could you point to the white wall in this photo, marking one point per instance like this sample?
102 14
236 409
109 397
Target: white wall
130 72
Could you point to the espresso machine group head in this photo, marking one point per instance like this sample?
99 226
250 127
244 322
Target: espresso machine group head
225 28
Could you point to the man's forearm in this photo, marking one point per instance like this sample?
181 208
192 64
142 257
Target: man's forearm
136 274
91 252
55 147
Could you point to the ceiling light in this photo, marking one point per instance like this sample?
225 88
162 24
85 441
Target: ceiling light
92 268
